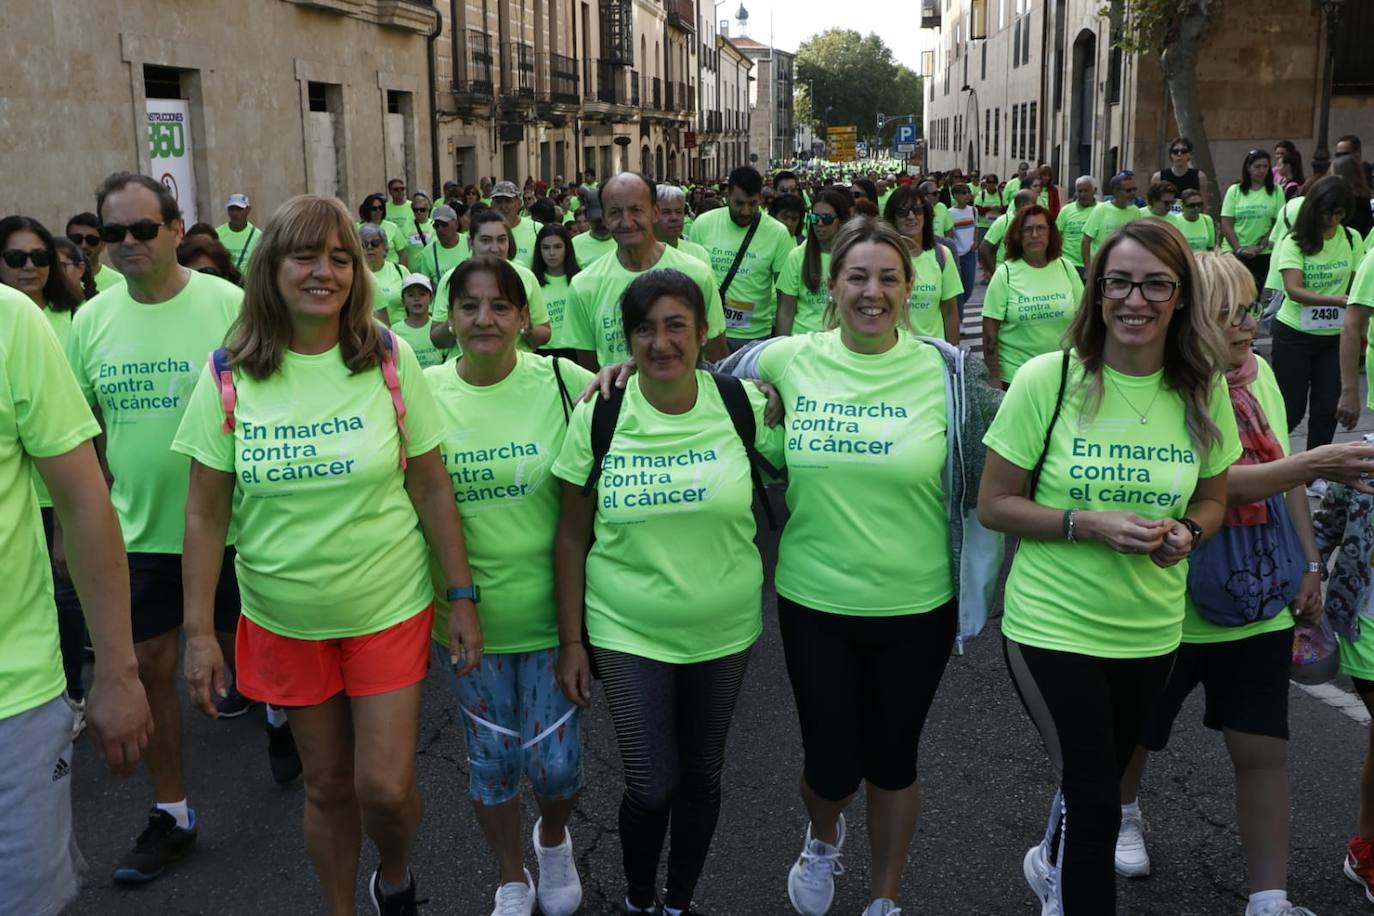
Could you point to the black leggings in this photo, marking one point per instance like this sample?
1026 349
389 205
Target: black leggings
1090 712
1308 370
671 722
71 623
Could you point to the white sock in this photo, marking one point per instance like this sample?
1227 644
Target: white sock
1131 810
1265 899
178 810
276 716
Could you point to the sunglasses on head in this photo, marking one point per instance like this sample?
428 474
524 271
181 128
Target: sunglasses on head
143 231
81 238
824 219
15 257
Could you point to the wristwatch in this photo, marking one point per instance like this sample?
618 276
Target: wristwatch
1313 566
1195 529
470 592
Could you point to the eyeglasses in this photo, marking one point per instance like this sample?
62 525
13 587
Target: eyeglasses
143 231
80 238
1119 288
373 243
902 212
420 211
825 219
15 257
376 208
1235 317
1035 229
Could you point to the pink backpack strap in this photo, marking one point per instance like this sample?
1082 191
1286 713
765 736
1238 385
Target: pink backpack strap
393 385
224 377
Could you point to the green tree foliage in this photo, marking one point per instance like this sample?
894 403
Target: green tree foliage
854 77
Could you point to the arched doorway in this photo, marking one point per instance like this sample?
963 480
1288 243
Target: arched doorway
645 161
658 163
1083 104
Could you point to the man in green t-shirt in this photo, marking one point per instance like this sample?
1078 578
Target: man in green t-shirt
1073 217
398 211
136 358
672 203
506 200
1106 219
592 323
83 230
1014 183
238 235
749 296
447 247
596 241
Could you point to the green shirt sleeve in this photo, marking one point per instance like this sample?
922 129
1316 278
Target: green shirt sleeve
201 434
995 298
50 416
423 423
1228 203
997 231
951 285
1289 256
768 440
574 460
577 329
789 280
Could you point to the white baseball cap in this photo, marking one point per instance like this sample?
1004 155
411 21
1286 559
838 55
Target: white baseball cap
417 280
237 200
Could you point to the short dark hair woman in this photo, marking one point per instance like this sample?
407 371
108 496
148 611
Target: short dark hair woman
373 211
1109 462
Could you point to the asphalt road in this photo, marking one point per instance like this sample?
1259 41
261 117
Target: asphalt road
986 790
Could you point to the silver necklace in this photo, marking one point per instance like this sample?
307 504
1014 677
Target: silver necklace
1144 417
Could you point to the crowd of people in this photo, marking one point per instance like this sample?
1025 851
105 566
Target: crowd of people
504 430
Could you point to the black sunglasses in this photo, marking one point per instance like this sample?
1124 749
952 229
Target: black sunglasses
80 238
15 257
375 207
441 224
143 231
1179 151
420 210
907 211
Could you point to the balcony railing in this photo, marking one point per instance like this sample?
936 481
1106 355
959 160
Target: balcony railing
684 98
682 14
610 83
557 79
517 75
474 64
635 98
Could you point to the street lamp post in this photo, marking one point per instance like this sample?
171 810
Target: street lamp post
1331 12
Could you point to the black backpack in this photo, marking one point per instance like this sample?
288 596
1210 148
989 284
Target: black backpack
606 413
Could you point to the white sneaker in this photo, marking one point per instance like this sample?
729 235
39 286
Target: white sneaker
560 889
1036 867
515 899
78 708
882 907
1132 858
1281 909
811 882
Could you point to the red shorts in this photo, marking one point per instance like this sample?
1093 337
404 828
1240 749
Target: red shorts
305 672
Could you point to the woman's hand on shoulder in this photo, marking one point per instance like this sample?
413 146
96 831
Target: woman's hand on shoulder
616 375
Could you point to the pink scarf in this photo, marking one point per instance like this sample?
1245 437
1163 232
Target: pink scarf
1257 440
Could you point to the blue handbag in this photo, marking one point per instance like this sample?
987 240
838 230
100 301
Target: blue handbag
1248 573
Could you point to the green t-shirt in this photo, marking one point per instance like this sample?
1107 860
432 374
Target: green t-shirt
944 223
1196 628
1085 597
1105 219
386 290
996 235
931 285
589 248
1035 306
750 301
42 415
1009 191
416 241
866 448
240 244
138 364
1201 233
395 239
1328 272
695 250
500 443
402 216
1282 226
426 354
1362 293
534 294
106 276
674 574
1071 220
329 545
526 235
985 199
435 260
555 292
61 323
1254 212
593 319
810 314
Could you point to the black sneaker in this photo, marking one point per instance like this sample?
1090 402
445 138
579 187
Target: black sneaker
234 705
156 847
282 754
402 903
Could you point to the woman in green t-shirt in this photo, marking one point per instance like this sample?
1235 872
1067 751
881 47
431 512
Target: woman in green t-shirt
1244 669
386 275
1196 226
989 204
1248 213
1031 298
802 291
373 211
935 283
1109 463
554 264
505 413
670 593
319 435
1316 262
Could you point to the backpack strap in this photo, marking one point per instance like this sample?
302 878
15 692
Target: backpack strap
224 377
1049 430
940 255
605 414
736 401
564 398
393 387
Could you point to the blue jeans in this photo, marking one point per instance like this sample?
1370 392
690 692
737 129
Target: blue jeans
968 273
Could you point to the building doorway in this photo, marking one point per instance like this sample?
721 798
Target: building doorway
1082 112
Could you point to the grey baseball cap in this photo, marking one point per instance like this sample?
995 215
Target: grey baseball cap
505 189
443 213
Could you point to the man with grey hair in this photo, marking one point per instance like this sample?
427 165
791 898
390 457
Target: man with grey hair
1106 219
672 206
1073 216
